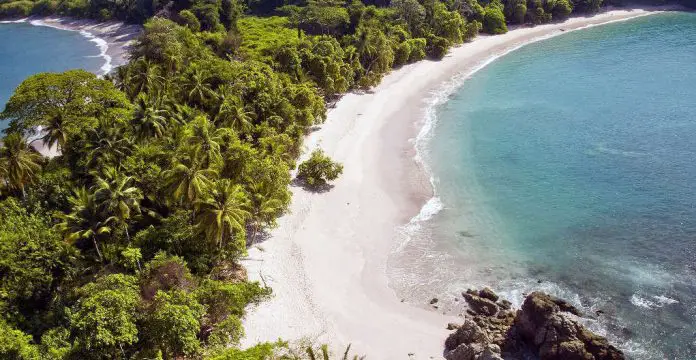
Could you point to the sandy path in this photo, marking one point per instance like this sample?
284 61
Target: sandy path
326 262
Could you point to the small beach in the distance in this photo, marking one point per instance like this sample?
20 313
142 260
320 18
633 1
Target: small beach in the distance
327 260
112 39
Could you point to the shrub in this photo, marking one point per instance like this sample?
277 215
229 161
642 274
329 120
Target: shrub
319 169
16 9
494 20
562 9
437 47
186 18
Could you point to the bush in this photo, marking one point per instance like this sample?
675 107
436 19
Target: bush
16 9
437 47
494 20
562 9
186 18
319 169
44 7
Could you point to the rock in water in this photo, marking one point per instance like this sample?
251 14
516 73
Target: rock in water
542 323
543 328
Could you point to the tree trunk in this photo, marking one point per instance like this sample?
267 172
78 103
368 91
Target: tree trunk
96 247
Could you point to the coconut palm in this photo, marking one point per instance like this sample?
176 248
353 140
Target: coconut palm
264 207
145 78
206 140
149 119
223 212
19 162
187 180
116 198
55 131
84 221
107 145
231 113
196 87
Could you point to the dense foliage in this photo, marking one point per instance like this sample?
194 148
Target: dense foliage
126 246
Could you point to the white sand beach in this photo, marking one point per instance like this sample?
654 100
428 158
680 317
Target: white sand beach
326 262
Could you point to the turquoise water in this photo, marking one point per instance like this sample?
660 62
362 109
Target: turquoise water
570 166
26 49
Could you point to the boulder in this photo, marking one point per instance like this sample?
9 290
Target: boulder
487 293
543 328
544 324
480 305
469 332
465 352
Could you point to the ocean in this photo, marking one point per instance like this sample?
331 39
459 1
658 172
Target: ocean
26 49
569 166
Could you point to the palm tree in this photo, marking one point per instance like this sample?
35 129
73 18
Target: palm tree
264 207
186 180
20 162
145 78
231 113
107 145
116 198
54 131
149 119
196 87
84 220
206 140
222 212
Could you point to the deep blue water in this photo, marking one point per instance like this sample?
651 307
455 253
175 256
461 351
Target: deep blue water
570 166
26 50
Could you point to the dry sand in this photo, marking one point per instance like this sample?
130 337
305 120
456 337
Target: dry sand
326 262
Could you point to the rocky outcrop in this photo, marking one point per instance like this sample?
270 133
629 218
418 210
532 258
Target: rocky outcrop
546 327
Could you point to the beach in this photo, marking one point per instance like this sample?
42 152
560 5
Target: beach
326 261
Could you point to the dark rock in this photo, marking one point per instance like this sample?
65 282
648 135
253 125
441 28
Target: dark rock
504 304
487 293
544 328
468 333
480 305
543 324
465 352
452 326
433 301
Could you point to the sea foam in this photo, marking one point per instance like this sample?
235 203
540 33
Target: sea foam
101 43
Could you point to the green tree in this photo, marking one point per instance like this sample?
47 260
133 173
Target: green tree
493 19
186 180
105 316
84 221
206 141
19 162
319 169
222 213
34 262
76 97
150 120
16 345
174 322
117 199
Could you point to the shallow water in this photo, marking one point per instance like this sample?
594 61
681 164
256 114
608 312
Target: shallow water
568 166
26 50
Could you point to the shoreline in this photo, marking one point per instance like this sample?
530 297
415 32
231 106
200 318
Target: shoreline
327 260
113 39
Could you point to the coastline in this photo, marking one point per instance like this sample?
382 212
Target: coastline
327 260
113 39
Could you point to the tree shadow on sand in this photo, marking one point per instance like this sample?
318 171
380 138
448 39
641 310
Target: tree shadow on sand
318 189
